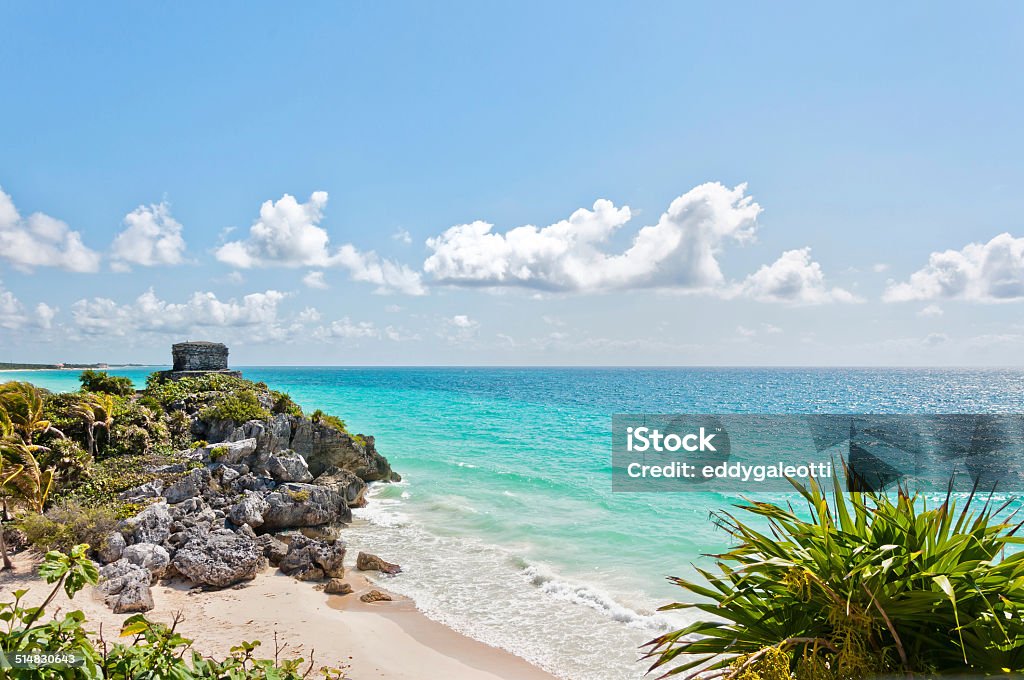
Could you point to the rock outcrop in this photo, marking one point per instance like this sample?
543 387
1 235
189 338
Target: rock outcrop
219 559
272 492
370 562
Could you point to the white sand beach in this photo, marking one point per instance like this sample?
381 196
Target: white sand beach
381 640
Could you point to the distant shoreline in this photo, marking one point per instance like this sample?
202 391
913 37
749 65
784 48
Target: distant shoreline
7 368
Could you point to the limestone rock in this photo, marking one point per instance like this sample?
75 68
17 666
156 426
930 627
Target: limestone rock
349 483
219 559
228 453
113 548
288 468
312 560
126 587
151 489
337 587
152 525
273 549
304 505
149 556
370 562
249 510
192 485
375 596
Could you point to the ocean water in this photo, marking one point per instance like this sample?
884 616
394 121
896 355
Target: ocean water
505 523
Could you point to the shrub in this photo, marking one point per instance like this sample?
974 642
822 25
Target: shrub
868 584
237 407
64 526
110 476
101 381
283 404
322 418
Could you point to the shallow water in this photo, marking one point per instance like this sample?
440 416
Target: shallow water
505 523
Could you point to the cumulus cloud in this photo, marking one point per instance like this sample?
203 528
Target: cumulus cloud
347 329
148 313
931 311
315 279
982 272
793 278
402 236
463 321
151 237
679 251
288 234
388 276
41 241
13 315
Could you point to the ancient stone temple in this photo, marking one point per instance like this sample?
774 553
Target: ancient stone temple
197 358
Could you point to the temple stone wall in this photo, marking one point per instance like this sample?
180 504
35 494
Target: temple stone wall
200 356
197 358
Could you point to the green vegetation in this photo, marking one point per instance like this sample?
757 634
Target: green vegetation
101 381
337 423
868 585
155 651
283 404
236 406
66 525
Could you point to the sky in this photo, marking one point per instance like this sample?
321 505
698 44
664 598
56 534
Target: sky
529 183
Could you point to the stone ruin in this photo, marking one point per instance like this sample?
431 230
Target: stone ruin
199 358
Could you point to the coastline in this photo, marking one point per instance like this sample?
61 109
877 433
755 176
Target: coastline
386 640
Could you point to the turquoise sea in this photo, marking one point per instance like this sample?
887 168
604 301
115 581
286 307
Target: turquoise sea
505 523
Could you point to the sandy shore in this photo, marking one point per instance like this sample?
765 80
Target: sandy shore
377 640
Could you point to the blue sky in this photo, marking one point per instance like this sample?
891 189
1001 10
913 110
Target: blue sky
884 139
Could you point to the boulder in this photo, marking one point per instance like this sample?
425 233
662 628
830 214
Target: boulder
273 549
375 596
296 505
345 481
324 447
126 587
192 485
151 489
288 468
337 587
312 560
112 548
370 562
228 453
249 510
149 556
152 525
220 558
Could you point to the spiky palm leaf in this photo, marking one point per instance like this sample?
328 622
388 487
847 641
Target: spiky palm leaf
866 584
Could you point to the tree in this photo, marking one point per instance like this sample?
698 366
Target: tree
8 472
95 411
101 381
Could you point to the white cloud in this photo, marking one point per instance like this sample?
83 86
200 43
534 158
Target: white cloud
745 332
45 315
981 272
347 329
935 339
680 251
315 279
463 321
388 276
402 236
793 278
310 315
288 234
931 311
41 241
151 237
879 267
148 313
13 315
